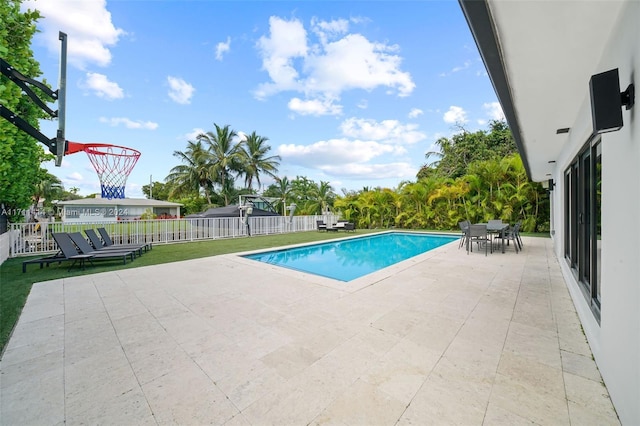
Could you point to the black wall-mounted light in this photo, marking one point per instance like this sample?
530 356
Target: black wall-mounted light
548 185
607 101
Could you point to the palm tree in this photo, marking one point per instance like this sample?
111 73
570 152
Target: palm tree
323 197
226 157
283 189
255 151
195 172
48 188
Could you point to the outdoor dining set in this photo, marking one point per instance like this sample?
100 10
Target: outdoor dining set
341 225
489 235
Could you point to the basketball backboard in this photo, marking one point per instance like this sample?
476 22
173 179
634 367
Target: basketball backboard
57 144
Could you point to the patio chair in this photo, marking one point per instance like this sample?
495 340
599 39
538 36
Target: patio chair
496 227
519 225
85 248
98 244
478 234
108 242
512 235
464 226
321 226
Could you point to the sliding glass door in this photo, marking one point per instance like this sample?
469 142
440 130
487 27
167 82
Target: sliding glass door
583 191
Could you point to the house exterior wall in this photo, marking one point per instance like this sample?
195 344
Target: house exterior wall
615 342
89 213
101 213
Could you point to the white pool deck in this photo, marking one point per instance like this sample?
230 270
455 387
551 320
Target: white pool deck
444 338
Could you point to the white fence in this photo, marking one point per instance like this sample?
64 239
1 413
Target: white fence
35 238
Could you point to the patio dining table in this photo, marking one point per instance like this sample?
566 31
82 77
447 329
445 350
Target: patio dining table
498 229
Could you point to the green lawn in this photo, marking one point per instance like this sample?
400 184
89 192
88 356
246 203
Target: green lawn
15 285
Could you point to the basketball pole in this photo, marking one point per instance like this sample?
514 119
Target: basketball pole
62 100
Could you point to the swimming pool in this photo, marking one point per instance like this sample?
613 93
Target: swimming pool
346 260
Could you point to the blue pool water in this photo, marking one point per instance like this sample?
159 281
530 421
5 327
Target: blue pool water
350 259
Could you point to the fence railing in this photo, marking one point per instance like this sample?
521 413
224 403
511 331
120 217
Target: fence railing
35 238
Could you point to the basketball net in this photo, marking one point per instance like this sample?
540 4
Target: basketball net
112 163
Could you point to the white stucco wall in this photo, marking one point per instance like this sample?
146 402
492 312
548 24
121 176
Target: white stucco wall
615 342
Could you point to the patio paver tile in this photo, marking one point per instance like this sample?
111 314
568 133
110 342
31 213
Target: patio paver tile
446 338
535 405
188 396
590 394
580 365
362 404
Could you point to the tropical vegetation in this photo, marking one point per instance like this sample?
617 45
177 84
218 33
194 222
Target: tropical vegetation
20 154
473 175
211 165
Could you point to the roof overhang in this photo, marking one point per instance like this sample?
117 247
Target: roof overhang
540 56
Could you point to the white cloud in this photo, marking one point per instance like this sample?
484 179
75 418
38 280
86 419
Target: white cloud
192 135
222 48
455 115
287 41
372 171
335 152
335 63
88 25
354 62
315 107
242 136
415 112
75 177
128 123
179 90
102 87
454 70
389 131
494 110
326 30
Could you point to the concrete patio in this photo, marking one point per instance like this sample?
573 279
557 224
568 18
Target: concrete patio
443 338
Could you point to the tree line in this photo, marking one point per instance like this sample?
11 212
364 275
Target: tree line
473 176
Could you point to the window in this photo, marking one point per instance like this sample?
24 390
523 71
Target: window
582 233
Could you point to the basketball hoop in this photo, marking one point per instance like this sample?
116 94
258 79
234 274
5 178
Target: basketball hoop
112 163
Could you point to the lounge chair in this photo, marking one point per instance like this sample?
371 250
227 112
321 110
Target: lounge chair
109 242
321 226
58 257
85 248
69 250
97 243
349 227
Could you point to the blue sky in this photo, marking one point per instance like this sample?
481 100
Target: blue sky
353 93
